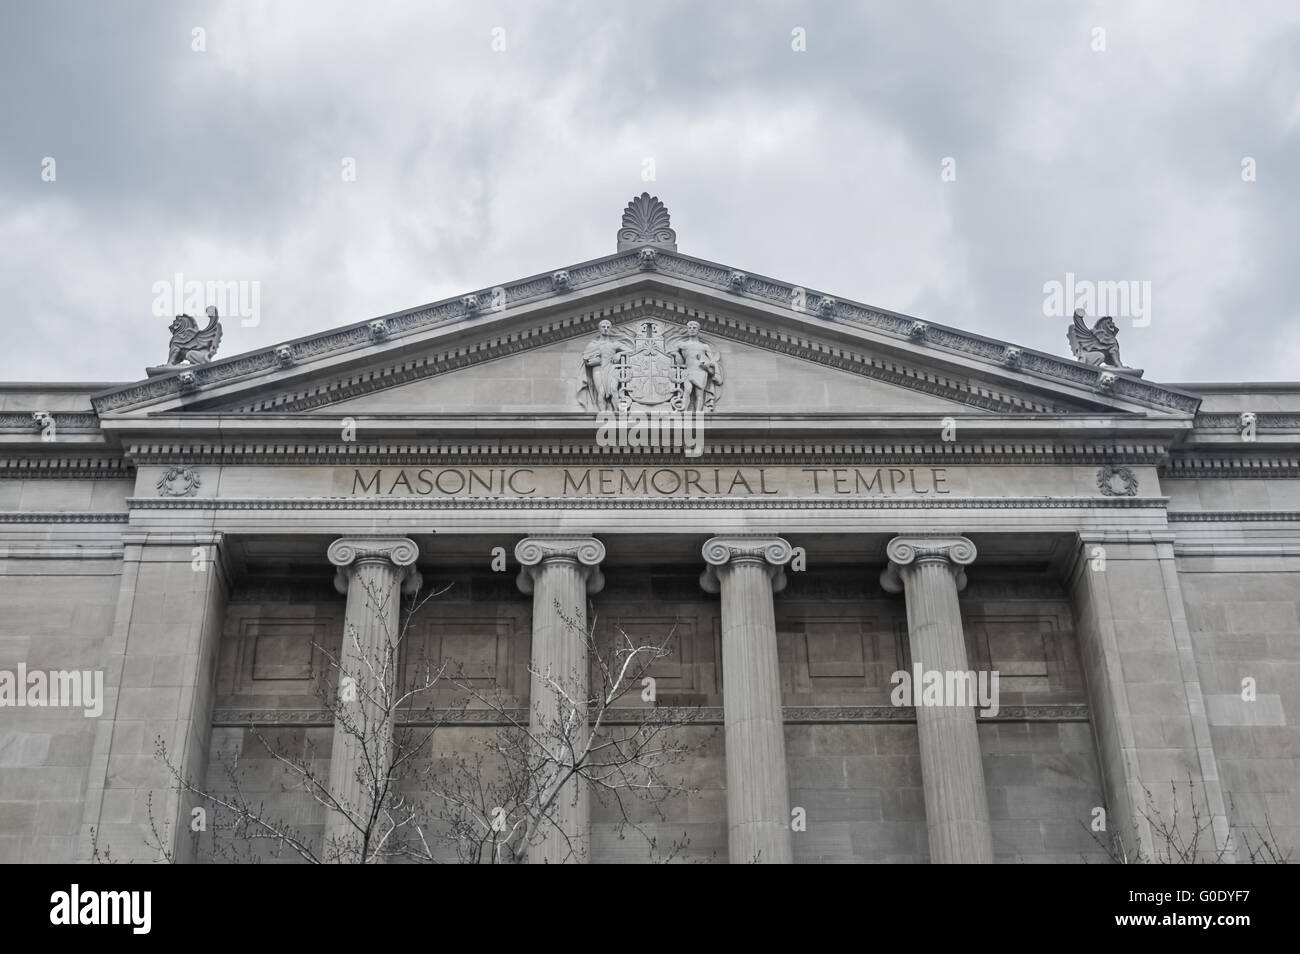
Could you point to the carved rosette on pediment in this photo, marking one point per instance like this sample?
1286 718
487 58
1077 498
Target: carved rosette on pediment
649 367
534 553
773 553
347 553
957 552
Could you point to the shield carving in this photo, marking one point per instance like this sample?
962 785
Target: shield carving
648 375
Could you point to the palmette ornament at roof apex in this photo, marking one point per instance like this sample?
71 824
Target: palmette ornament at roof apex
645 222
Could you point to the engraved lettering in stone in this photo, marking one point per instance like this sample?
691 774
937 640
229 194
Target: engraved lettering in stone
479 482
864 486
583 486
627 485
740 479
655 481
815 471
510 482
439 481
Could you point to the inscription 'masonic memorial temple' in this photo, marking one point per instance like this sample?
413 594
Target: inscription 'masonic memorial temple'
799 496
649 481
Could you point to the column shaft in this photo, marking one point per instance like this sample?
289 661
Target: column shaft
746 572
952 768
372 573
561 572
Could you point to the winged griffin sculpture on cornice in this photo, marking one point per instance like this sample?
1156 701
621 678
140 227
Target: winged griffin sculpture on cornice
189 344
1097 345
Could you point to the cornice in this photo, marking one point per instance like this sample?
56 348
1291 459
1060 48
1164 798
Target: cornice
862 363
1264 421
1224 465
701 715
61 516
25 422
398 330
562 453
1233 516
649 503
936 336
1241 550
857 361
80 552
65 468
359 337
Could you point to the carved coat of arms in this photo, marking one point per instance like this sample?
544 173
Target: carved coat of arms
655 367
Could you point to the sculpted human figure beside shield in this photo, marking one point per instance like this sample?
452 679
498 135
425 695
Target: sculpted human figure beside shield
600 361
702 376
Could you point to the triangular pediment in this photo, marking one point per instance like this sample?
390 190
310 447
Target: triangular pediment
517 350
548 380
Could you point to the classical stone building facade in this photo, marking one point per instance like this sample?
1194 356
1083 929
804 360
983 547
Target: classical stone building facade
851 493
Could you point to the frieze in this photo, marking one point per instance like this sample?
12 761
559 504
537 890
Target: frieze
763 288
1264 420
63 421
876 320
697 270
693 715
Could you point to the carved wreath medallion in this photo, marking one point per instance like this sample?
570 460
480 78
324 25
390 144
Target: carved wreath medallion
1116 481
178 481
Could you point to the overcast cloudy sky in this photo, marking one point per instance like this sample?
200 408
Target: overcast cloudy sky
824 166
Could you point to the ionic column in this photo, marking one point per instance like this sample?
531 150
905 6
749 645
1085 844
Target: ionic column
929 569
373 572
747 570
560 572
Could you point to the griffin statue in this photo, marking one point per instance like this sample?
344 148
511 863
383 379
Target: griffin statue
190 345
1097 345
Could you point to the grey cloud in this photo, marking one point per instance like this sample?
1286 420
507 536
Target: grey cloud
821 167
